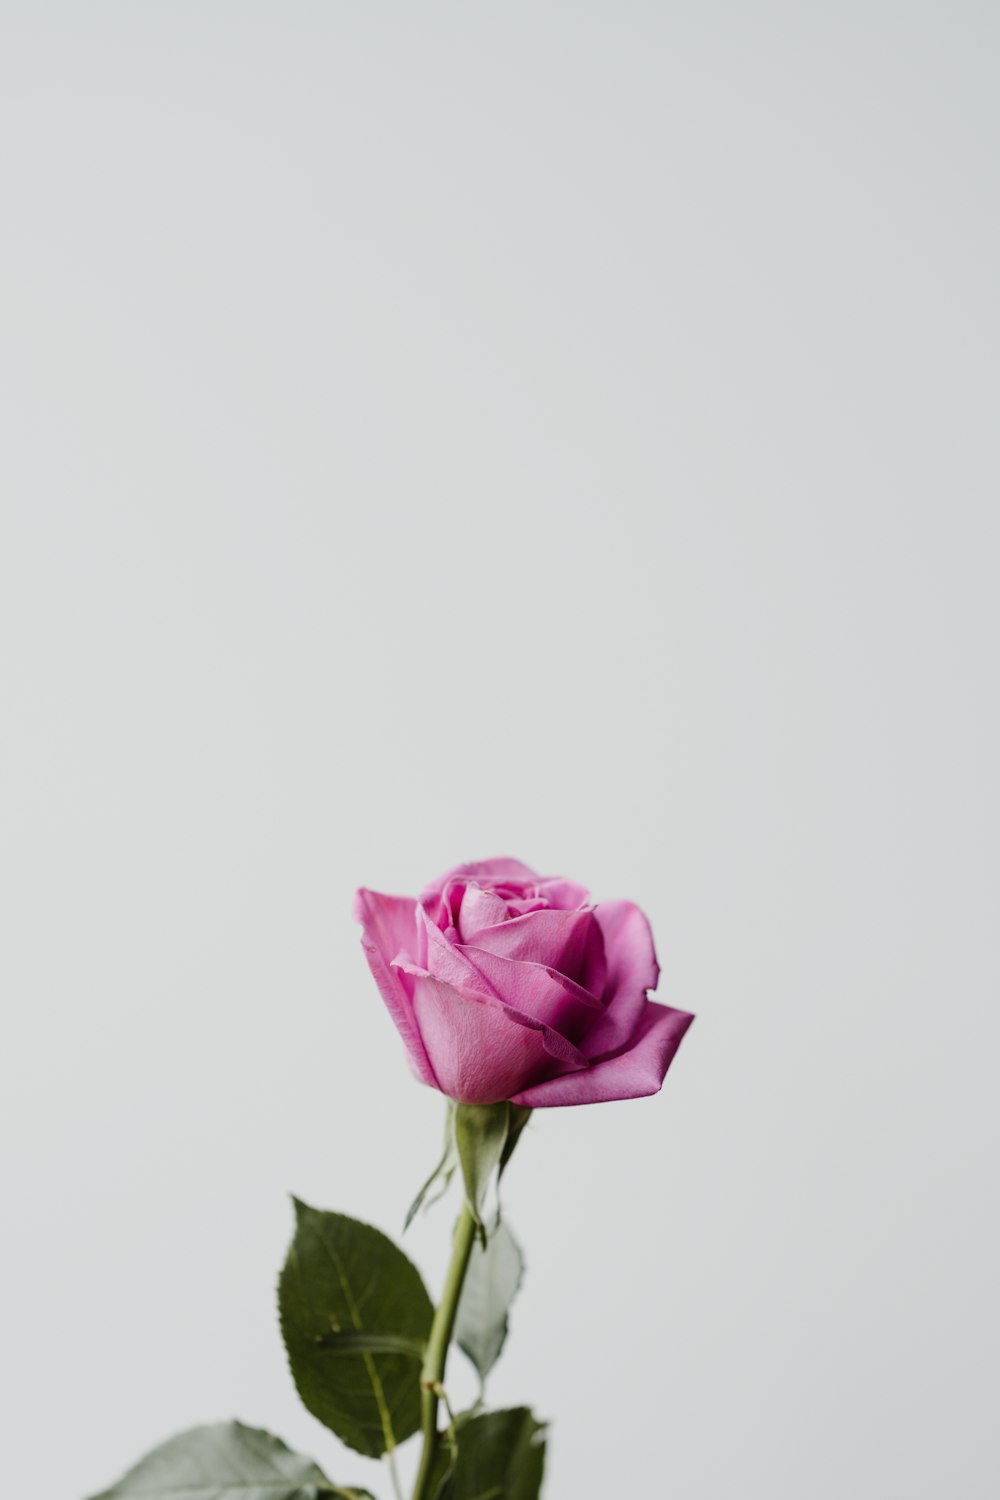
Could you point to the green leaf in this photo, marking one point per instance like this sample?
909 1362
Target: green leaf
480 1135
345 1278
491 1283
226 1462
501 1456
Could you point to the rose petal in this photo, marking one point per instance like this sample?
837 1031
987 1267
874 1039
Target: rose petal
452 966
479 908
632 969
558 939
389 927
541 994
480 1054
535 996
563 895
636 1071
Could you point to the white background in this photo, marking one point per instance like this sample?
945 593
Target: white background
559 430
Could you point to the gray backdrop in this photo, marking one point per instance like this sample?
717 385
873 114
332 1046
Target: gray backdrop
560 430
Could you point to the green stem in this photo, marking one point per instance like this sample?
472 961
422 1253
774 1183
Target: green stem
432 1373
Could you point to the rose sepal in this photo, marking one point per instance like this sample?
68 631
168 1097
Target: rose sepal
481 1133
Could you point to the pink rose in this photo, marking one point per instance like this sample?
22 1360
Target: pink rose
507 985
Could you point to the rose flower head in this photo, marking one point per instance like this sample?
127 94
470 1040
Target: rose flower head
505 984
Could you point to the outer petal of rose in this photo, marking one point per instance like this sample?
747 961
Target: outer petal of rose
389 926
452 966
631 971
479 1053
483 870
636 1071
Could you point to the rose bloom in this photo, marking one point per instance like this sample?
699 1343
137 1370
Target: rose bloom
505 984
